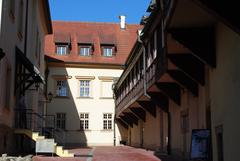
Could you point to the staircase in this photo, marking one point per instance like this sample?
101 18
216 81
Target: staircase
30 129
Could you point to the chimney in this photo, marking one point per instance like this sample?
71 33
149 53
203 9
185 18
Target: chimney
122 22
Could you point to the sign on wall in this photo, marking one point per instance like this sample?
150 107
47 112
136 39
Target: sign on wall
45 146
200 144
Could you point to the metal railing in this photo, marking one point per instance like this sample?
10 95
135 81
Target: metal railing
44 124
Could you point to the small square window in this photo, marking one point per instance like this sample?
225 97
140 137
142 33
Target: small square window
107 51
61 49
85 50
62 89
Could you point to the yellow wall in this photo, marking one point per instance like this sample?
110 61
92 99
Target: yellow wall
225 92
196 109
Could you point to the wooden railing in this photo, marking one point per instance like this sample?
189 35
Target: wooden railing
139 79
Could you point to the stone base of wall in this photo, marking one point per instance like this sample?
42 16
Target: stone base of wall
7 141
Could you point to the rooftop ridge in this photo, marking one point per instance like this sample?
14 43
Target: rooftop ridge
91 22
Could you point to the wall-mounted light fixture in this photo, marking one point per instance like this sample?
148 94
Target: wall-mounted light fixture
48 99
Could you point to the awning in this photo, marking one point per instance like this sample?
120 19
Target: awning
31 74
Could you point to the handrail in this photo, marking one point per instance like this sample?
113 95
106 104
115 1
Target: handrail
27 119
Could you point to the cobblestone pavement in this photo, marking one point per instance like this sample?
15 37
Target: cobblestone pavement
119 153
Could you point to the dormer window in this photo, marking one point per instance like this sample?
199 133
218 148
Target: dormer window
85 49
108 50
61 49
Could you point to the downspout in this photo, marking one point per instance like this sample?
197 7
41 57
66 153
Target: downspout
144 65
114 119
26 29
26 38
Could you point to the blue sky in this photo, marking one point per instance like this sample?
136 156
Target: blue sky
98 10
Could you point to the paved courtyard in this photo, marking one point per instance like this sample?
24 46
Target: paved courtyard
120 153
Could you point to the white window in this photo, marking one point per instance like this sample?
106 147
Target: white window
85 51
84 88
62 89
61 49
107 121
106 89
84 121
61 120
107 51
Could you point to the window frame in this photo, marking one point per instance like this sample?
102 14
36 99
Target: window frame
82 46
107 47
62 120
84 87
104 79
85 78
61 45
85 121
61 78
107 121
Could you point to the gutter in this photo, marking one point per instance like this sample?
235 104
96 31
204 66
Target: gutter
144 66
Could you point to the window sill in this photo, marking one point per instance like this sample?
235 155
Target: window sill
86 130
105 97
86 56
106 130
62 54
84 97
64 97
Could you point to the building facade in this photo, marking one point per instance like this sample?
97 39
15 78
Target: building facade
83 60
24 24
181 78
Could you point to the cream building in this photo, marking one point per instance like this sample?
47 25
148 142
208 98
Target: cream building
84 60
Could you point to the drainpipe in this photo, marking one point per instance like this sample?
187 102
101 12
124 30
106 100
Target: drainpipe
26 29
114 118
144 64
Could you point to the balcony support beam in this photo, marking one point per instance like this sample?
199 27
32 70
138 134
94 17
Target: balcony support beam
160 100
172 90
139 112
201 41
185 81
148 106
131 117
189 64
126 120
122 122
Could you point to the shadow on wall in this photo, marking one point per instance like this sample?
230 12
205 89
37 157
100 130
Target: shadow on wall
123 133
68 131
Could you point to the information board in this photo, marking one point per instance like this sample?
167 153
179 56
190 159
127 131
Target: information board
44 146
200 144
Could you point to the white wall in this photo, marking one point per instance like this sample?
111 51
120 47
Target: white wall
95 105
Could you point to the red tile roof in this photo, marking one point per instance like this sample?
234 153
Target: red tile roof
96 34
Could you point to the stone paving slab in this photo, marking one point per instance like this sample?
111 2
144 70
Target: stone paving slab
118 153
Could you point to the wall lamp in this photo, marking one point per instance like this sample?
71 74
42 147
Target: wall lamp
48 99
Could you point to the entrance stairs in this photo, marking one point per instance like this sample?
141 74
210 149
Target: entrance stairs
59 150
